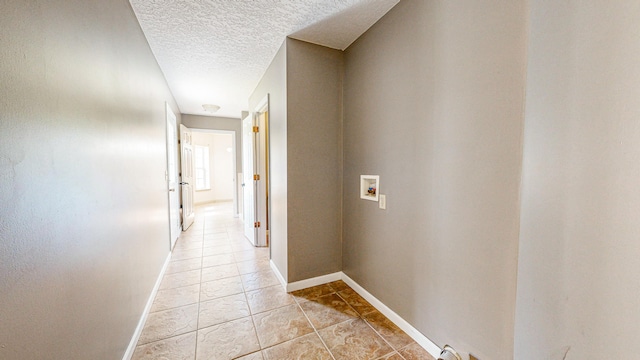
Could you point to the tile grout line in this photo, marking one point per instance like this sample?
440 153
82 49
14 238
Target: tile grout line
314 329
361 316
195 353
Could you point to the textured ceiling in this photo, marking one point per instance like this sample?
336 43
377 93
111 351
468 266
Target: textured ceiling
216 51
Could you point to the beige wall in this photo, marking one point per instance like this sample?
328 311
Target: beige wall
314 153
579 262
434 97
274 83
84 216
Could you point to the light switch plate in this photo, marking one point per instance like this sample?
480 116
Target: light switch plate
382 202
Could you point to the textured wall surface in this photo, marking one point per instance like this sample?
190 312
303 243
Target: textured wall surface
305 86
578 278
434 105
314 138
84 216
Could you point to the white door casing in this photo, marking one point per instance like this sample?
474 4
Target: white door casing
187 184
172 177
248 185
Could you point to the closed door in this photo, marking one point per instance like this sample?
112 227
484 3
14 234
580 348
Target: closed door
186 151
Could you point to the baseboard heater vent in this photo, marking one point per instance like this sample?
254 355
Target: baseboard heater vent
449 354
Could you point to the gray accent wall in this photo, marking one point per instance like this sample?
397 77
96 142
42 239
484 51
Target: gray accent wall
84 218
274 83
314 153
579 263
433 103
304 82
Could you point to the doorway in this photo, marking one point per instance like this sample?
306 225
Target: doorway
171 175
214 166
255 149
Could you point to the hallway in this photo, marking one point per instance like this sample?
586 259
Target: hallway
219 299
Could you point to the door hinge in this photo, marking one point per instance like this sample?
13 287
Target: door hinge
256 177
256 129
256 224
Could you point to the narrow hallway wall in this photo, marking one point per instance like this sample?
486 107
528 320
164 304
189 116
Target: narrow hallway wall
578 271
84 217
434 96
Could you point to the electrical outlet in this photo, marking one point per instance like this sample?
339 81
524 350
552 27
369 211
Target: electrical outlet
382 202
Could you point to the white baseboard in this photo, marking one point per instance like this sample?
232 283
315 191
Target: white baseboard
427 344
136 334
303 284
275 269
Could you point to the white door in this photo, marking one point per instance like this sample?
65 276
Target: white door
172 177
248 184
186 151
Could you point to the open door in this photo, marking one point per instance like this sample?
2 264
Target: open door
262 171
172 177
186 151
248 183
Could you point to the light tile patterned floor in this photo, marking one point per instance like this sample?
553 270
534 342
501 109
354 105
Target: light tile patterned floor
219 299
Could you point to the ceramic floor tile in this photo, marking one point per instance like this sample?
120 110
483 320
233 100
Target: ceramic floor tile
183 265
339 285
223 309
209 243
186 254
356 301
280 325
181 347
193 234
268 298
216 236
186 237
303 348
388 330
171 298
164 324
258 280
188 245
219 272
180 279
253 356
215 230
312 292
241 245
216 260
414 351
354 340
392 356
251 266
328 310
217 250
219 288
227 341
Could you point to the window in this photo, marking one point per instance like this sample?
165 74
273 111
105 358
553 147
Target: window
202 167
